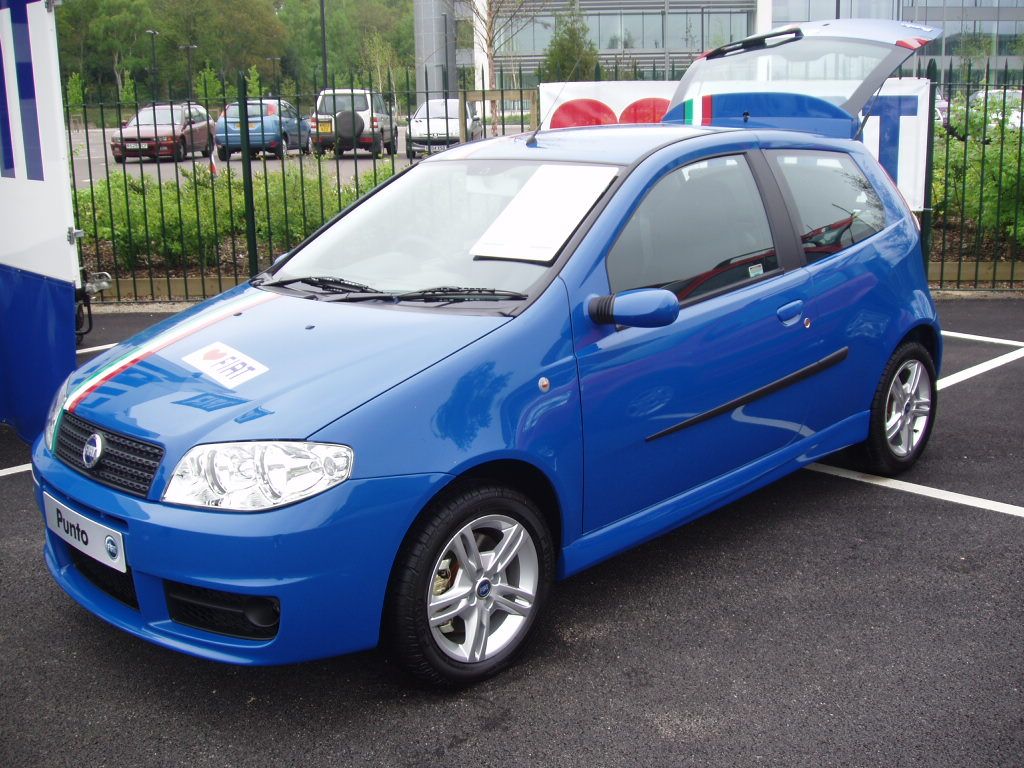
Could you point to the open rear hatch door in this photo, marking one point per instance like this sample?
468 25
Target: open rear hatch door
814 77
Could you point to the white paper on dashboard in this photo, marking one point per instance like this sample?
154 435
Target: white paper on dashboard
547 209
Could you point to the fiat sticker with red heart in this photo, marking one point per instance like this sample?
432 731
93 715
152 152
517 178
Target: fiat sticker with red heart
225 365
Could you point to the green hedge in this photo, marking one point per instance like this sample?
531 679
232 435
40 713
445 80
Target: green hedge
185 223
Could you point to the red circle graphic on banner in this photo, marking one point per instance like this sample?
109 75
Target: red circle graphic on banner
649 110
583 112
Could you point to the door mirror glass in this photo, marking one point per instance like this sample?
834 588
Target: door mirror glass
642 308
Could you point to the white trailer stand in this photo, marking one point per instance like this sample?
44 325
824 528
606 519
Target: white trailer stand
39 270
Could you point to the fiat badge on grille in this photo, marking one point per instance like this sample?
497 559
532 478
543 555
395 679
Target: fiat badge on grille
92 451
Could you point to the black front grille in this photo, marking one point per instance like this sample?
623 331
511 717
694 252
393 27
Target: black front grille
126 464
120 586
225 613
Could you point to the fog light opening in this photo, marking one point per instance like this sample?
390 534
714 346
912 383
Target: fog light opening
263 612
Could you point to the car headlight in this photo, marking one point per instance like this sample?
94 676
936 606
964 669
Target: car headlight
253 476
50 431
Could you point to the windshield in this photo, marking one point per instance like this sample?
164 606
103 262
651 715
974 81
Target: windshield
157 116
436 108
253 108
473 223
332 104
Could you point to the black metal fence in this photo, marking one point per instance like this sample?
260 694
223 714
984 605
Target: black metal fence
189 212
977 235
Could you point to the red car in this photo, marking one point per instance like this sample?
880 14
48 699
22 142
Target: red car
164 130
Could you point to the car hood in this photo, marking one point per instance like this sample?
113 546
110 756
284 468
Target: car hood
252 364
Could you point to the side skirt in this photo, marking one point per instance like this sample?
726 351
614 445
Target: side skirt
593 547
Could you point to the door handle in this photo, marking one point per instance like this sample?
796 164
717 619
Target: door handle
789 313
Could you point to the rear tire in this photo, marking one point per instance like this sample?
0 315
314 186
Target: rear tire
468 585
223 154
282 147
393 145
902 411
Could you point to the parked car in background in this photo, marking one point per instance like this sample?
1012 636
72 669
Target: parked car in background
999 104
353 118
275 126
435 125
164 130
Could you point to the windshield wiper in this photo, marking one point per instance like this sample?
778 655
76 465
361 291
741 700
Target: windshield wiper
324 282
456 293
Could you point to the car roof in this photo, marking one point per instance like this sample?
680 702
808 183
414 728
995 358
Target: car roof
607 144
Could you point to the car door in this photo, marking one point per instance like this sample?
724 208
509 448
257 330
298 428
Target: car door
667 410
850 241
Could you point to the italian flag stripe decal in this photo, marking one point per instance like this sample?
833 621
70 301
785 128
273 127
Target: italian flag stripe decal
154 345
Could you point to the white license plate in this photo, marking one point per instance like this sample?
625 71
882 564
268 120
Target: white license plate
134 145
97 541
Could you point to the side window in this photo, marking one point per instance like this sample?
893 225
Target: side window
699 229
836 206
378 103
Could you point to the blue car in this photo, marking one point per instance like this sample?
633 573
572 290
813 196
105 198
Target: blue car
569 343
275 126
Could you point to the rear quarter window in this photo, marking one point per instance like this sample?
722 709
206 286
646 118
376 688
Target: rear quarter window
834 204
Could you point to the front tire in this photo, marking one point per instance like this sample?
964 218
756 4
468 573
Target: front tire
223 154
468 585
208 149
902 411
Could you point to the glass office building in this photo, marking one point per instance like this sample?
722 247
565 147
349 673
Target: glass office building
659 37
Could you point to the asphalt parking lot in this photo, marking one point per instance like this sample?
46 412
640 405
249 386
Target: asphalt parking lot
821 621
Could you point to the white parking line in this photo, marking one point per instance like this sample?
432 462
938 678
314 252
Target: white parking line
986 339
975 370
920 490
100 348
15 470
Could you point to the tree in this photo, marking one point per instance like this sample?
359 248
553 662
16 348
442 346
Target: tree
252 83
115 34
380 59
571 55
75 93
494 22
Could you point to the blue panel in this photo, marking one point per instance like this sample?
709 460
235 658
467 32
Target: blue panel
37 345
6 144
26 84
789 111
889 110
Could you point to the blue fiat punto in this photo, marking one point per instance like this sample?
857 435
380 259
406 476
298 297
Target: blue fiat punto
563 345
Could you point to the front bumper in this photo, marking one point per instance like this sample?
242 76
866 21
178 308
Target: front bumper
327 560
147 148
431 143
